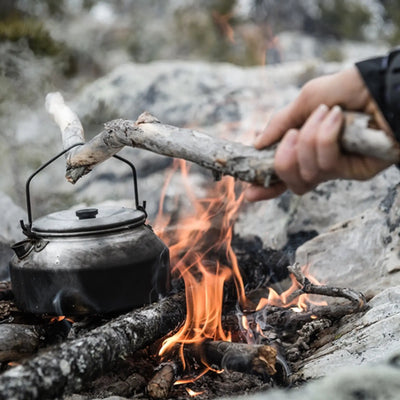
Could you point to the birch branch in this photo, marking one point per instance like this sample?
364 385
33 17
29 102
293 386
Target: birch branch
69 366
222 157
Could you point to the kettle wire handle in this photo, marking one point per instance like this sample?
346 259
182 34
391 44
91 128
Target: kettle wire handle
46 164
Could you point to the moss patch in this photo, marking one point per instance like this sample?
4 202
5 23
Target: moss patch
30 29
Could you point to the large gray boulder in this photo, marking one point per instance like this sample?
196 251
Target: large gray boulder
378 381
191 93
329 204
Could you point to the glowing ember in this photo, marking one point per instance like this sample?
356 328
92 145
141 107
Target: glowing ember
13 364
60 318
192 393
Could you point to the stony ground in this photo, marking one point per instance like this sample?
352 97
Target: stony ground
356 224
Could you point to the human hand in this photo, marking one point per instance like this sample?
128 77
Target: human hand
309 131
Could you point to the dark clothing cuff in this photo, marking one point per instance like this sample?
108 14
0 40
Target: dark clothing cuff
375 75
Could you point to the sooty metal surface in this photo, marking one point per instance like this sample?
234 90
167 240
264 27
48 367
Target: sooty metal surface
92 274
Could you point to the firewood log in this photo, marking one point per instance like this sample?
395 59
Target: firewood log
68 367
240 357
18 341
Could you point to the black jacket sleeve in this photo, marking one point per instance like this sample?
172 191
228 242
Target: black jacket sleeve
380 78
372 72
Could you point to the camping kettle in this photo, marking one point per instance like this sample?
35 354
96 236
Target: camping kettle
90 260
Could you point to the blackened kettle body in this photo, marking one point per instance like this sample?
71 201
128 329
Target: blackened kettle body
92 260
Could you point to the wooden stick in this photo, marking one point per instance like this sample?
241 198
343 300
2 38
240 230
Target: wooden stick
240 357
222 157
66 119
69 124
18 341
161 383
357 299
67 367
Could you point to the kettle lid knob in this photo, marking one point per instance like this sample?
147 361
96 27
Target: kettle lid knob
87 213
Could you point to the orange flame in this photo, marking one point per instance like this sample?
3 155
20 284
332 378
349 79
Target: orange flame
60 318
286 299
201 254
192 393
13 364
203 237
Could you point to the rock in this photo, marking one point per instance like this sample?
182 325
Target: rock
371 337
212 92
362 252
75 397
329 204
375 381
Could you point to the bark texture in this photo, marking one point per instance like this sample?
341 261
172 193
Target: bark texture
161 383
67 367
241 357
222 157
18 341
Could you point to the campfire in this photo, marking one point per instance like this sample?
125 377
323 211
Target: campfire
261 328
234 324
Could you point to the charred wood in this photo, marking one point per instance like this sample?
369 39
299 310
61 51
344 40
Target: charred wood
357 299
69 366
18 341
223 157
128 386
305 337
5 291
161 383
240 357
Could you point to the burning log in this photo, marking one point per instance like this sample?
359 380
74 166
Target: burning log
223 157
261 360
357 300
69 366
240 357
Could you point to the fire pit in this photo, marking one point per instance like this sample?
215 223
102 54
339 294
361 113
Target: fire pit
254 347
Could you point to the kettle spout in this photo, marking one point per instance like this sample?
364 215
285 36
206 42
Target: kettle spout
23 248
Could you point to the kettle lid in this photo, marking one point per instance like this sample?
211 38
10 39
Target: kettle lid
88 220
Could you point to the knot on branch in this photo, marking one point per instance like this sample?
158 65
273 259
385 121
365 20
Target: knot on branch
147 118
